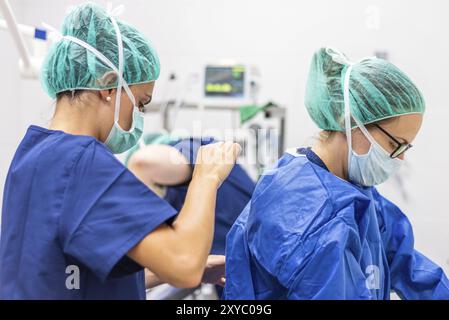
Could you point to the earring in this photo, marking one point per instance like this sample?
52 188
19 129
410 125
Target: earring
108 99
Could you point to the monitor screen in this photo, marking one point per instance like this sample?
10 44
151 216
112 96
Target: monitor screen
224 81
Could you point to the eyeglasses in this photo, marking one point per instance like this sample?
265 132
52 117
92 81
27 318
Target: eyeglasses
401 146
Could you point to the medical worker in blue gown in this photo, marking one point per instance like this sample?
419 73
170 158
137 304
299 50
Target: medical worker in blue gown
316 227
76 224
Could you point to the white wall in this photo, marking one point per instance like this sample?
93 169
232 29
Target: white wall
280 38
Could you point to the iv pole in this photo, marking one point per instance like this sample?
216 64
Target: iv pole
29 65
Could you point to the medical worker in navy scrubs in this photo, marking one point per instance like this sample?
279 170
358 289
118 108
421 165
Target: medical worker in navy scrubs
71 209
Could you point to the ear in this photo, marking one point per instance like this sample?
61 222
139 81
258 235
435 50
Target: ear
106 95
108 79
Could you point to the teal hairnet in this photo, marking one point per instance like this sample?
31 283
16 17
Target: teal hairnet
69 66
378 91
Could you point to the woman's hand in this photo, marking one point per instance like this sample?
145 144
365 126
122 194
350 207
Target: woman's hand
216 160
214 273
151 280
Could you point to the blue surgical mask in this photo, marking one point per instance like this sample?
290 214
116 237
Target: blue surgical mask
118 140
372 168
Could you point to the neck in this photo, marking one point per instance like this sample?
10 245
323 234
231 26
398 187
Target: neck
76 118
333 151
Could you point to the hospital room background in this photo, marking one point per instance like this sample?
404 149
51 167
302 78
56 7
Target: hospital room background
271 43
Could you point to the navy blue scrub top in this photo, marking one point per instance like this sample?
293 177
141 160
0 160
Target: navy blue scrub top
232 197
71 212
313 157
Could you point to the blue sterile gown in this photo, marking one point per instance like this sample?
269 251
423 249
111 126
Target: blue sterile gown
307 234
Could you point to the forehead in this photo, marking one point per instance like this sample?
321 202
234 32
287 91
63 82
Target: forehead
405 126
144 87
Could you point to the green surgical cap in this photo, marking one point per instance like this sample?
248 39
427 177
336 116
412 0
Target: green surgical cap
69 66
378 91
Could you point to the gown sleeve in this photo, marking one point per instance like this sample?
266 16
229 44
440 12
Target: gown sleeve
413 276
106 212
325 267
